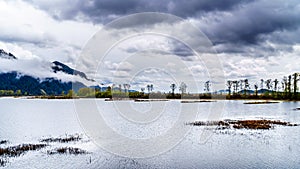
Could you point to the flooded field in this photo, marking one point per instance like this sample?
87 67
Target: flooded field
38 133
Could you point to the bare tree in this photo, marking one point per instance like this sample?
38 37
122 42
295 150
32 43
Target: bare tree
235 86
255 87
150 88
120 87
241 85
207 86
173 87
295 80
113 87
269 84
126 87
246 85
289 85
275 85
229 85
182 88
285 85
261 84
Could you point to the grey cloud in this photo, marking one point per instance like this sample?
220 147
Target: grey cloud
174 48
284 37
253 50
20 36
233 26
181 50
196 7
143 21
248 24
104 10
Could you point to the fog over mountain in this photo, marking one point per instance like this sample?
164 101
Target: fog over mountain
60 77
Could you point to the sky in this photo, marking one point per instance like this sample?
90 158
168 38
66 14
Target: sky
253 39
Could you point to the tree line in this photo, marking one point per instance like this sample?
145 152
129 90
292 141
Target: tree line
286 89
11 93
123 91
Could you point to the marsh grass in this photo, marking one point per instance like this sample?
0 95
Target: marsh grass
67 150
69 138
264 102
243 124
3 141
197 101
14 151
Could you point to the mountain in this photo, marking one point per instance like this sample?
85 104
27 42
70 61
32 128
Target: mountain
34 86
263 91
60 67
5 55
223 91
247 91
30 85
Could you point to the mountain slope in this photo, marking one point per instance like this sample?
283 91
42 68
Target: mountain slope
5 55
33 86
58 66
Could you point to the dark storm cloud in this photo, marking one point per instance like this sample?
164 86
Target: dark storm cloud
251 22
237 26
177 7
100 11
142 21
174 48
181 50
253 50
192 8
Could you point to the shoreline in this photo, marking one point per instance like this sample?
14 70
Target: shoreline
145 99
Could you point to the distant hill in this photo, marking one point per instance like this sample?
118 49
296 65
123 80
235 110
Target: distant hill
261 91
247 91
223 91
104 88
240 91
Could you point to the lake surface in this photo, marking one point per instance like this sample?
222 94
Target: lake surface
30 120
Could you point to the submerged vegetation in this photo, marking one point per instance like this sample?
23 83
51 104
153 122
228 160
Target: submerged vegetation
2 162
67 150
3 141
196 101
67 139
243 124
261 102
18 150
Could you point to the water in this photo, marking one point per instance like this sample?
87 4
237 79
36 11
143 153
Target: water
29 120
